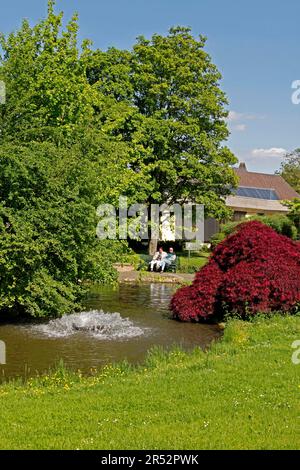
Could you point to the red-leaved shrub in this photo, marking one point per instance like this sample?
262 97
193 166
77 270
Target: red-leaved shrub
254 270
198 301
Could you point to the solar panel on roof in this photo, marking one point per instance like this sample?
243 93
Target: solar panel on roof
257 193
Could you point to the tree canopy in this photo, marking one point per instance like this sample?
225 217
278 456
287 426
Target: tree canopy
176 118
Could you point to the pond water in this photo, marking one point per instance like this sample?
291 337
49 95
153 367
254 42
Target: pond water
117 324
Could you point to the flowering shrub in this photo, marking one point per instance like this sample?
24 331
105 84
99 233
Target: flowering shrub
253 270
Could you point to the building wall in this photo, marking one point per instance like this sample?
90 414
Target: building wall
211 227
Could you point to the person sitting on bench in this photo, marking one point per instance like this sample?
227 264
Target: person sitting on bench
167 260
157 258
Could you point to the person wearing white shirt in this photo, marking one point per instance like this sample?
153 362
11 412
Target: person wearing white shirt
159 256
167 260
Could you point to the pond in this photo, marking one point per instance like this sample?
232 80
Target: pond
117 324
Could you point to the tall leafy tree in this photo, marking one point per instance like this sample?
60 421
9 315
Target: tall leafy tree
49 98
177 126
48 95
59 159
81 127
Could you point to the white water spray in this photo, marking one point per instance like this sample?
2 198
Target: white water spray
101 325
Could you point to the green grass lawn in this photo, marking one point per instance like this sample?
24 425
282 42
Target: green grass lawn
243 394
192 264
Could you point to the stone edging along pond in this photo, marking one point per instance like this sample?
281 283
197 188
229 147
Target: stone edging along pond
147 277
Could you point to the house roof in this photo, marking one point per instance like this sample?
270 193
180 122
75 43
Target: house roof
249 204
249 179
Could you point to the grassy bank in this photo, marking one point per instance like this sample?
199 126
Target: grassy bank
192 264
243 393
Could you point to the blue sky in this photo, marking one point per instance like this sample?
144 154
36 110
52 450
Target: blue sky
255 45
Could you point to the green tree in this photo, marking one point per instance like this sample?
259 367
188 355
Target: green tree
290 169
48 245
80 128
44 72
49 98
177 126
60 157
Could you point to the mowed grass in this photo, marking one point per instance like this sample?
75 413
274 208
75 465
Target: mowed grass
241 394
192 264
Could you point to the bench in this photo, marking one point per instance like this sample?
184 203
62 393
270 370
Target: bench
172 268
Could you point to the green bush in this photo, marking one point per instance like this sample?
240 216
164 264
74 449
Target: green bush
294 214
278 222
128 256
281 224
225 230
48 243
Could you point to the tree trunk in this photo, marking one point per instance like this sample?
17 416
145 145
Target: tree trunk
153 246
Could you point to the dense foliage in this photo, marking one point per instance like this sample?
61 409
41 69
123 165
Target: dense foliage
282 224
175 121
47 230
176 116
82 127
253 270
294 213
290 169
